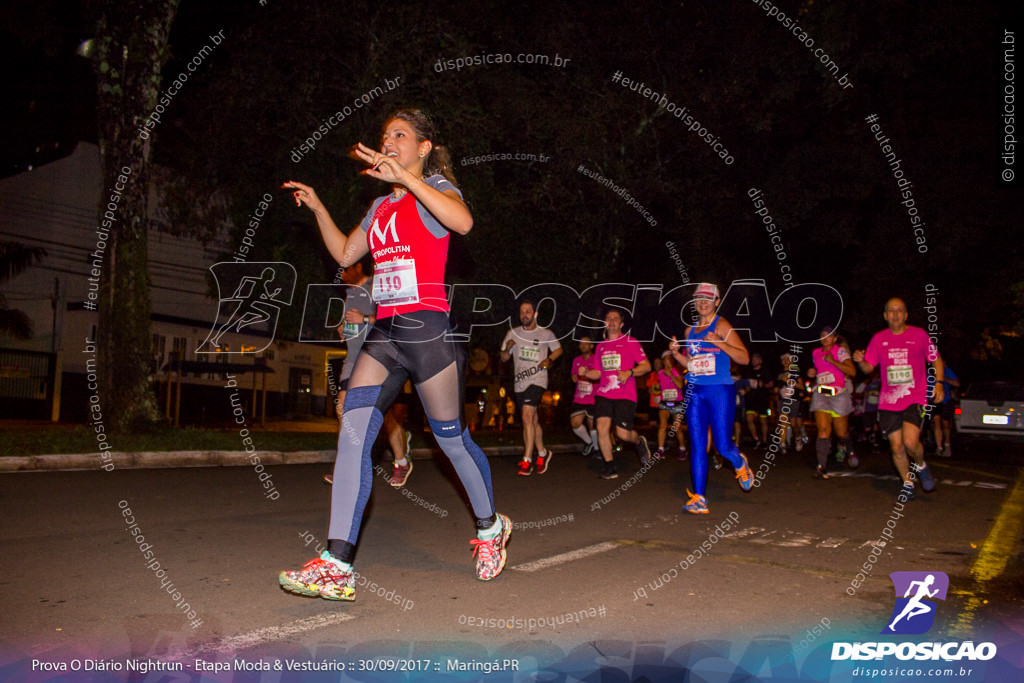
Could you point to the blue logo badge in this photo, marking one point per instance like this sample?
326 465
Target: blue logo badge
914 611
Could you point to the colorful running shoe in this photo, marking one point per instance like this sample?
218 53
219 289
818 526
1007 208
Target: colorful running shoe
525 468
924 474
588 449
643 450
329 479
906 493
400 473
745 476
322 577
610 471
682 454
820 473
543 460
697 505
490 555
840 455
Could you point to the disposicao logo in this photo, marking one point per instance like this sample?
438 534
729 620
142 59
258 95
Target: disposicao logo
914 611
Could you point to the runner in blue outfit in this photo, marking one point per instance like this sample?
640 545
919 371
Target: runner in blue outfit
711 399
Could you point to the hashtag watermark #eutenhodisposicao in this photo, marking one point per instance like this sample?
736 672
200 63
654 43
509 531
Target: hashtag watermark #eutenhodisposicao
681 113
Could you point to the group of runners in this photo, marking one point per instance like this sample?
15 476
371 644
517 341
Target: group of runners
402 330
696 373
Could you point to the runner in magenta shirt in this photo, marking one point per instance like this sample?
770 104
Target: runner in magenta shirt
614 357
581 415
828 373
832 401
670 381
903 353
584 395
903 359
618 361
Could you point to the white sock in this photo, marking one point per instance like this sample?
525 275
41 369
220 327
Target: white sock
488 534
345 566
582 433
401 462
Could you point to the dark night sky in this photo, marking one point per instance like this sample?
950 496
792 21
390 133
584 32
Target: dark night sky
932 72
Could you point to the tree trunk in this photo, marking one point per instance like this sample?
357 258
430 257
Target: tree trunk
131 49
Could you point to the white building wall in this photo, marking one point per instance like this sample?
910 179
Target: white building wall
55 207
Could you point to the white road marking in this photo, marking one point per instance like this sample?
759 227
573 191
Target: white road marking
797 540
743 533
537 565
892 477
267 634
786 539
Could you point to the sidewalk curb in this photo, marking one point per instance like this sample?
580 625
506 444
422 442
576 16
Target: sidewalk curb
167 459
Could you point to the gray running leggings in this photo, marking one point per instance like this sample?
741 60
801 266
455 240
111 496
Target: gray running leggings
391 355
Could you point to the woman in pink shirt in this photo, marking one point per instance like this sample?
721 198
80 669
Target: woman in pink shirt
670 381
832 401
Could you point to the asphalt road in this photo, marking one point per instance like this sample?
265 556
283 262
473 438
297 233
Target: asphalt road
602 573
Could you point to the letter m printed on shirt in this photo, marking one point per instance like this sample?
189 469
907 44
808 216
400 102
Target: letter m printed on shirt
377 232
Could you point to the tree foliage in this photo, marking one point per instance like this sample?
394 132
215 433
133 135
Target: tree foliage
794 132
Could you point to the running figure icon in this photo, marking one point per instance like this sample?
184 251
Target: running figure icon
258 293
916 603
915 607
251 310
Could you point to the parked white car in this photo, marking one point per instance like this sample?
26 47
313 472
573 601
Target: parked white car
993 409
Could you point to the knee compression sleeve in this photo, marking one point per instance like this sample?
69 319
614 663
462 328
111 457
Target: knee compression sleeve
470 464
